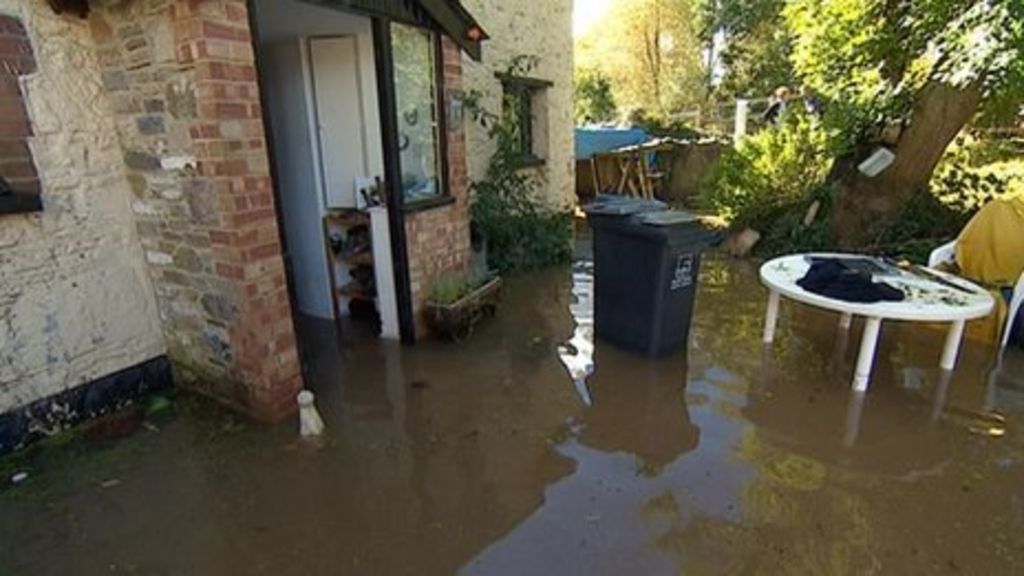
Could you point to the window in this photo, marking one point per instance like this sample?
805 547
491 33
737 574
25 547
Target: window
416 52
524 100
19 182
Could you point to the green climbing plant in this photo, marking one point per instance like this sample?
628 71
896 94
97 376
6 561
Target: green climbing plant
520 230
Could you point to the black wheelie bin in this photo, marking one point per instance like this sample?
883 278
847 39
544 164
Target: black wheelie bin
646 261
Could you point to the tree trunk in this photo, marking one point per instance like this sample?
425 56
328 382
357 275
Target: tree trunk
864 205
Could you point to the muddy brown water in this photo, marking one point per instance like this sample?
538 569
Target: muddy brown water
531 450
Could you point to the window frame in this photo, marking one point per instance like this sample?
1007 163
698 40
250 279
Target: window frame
20 194
15 202
444 196
524 88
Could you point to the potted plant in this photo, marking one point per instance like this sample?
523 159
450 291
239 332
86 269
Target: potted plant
458 301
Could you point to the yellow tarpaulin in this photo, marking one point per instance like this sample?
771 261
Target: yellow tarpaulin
990 251
990 248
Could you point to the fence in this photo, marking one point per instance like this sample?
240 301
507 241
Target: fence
733 119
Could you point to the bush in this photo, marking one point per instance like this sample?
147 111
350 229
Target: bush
924 223
659 127
768 174
787 232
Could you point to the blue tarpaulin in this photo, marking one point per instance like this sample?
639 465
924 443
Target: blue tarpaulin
597 140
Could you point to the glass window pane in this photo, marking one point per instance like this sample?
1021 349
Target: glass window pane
513 107
416 98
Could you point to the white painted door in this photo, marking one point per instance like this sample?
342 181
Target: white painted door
340 116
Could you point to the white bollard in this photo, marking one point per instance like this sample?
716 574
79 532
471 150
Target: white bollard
310 423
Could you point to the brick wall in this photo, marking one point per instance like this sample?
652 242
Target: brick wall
16 59
182 81
438 239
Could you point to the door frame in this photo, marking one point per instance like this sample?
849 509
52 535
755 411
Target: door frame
386 101
383 56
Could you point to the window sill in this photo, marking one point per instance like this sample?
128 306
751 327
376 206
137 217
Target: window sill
428 204
525 81
16 203
528 162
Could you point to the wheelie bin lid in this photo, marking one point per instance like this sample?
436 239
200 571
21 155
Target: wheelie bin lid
614 205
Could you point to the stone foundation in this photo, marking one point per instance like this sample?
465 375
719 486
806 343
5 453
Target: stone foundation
49 416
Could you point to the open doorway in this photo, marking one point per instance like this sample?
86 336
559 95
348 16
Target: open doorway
318 78
363 105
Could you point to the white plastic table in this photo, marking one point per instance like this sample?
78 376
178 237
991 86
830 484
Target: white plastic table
926 301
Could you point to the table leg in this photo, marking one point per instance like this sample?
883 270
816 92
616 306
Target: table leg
624 168
866 357
952 347
854 409
941 391
771 317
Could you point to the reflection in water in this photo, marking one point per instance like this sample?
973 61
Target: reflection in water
630 449
578 353
853 412
636 481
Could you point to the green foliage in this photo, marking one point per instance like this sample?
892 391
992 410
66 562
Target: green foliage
786 233
963 181
924 222
520 230
661 127
650 52
768 173
592 99
753 44
450 288
870 58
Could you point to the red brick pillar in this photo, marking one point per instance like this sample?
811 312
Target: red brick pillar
438 239
212 37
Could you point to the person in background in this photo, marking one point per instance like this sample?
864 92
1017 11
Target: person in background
776 106
812 103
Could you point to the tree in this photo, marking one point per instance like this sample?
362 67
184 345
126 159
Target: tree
748 43
904 74
593 100
650 53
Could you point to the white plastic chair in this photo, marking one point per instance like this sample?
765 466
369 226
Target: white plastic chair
947 253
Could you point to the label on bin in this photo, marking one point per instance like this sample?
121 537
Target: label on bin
682 277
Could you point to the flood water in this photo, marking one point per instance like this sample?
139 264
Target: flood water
531 449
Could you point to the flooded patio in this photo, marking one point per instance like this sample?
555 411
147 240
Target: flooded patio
530 449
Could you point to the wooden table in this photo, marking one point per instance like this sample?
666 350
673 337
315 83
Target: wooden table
636 174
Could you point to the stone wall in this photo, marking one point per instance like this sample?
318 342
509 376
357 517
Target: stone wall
181 80
76 303
542 29
437 239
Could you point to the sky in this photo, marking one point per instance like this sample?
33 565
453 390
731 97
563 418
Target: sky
586 13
